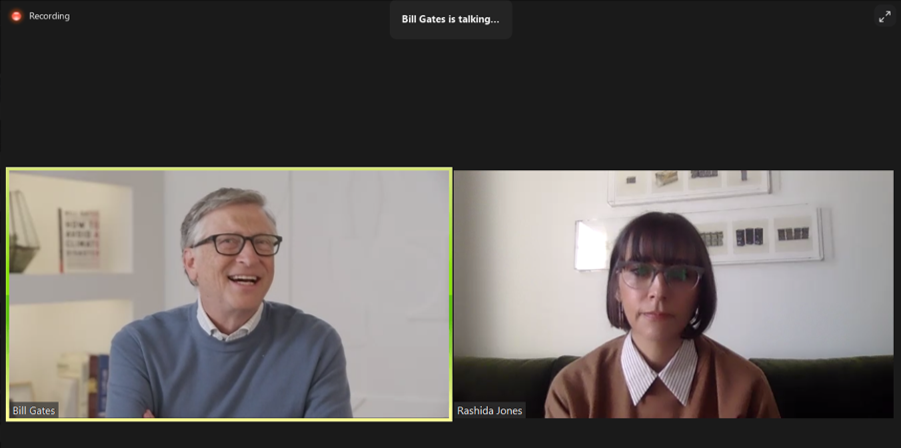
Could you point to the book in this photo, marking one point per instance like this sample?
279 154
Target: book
103 386
93 368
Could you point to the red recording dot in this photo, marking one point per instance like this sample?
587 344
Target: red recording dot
16 16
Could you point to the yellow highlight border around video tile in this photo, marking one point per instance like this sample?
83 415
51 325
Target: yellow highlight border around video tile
103 420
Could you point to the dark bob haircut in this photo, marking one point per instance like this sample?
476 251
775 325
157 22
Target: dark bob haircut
668 239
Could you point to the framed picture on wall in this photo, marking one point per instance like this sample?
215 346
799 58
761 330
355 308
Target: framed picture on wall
646 187
739 236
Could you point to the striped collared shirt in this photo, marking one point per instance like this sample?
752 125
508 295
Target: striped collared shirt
210 328
676 376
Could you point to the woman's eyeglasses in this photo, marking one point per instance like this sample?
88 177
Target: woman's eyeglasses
640 275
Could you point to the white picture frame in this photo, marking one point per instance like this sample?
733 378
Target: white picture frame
646 187
594 239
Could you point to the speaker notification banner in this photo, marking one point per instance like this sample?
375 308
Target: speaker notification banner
451 19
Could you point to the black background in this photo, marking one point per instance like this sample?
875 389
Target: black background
500 14
580 84
159 77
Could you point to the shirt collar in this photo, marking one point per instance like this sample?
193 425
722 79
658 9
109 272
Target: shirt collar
210 328
677 375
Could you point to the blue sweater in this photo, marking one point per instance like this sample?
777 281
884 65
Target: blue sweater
291 365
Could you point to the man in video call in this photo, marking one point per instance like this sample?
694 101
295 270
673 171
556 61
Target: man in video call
230 354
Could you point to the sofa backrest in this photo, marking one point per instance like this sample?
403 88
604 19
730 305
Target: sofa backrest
505 380
861 387
858 387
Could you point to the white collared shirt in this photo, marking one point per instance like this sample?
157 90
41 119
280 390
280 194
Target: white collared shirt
210 328
676 376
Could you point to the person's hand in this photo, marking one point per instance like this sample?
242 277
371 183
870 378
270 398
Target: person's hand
148 414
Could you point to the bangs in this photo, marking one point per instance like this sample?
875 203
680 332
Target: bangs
663 239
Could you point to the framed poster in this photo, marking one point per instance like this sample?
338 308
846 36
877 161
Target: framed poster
740 236
79 240
645 187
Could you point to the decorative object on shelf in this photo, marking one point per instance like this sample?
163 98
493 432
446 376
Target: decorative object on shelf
76 365
21 392
737 236
647 187
79 240
66 394
23 238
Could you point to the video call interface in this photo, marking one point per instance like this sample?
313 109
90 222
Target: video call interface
511 85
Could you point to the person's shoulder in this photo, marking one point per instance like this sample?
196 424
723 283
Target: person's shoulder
299 323
586 369
157 325
730 362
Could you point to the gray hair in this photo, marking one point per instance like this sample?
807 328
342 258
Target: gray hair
192 226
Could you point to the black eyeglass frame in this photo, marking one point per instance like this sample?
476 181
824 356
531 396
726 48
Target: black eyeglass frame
620 265
244 239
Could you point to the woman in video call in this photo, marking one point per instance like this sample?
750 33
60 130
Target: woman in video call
662 293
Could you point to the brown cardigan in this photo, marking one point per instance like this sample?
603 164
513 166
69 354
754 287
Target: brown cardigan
725 385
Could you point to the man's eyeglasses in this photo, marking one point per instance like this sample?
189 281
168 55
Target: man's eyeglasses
233 244
640 276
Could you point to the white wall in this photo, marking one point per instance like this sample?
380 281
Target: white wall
366 251
517 293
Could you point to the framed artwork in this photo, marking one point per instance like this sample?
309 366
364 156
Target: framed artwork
739 236
646 187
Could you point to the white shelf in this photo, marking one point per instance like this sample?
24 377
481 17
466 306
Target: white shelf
27 289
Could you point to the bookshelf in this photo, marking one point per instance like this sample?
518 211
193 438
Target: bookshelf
81 308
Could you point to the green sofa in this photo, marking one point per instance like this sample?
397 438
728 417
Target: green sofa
860 387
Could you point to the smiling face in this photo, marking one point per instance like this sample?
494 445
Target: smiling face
219 277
